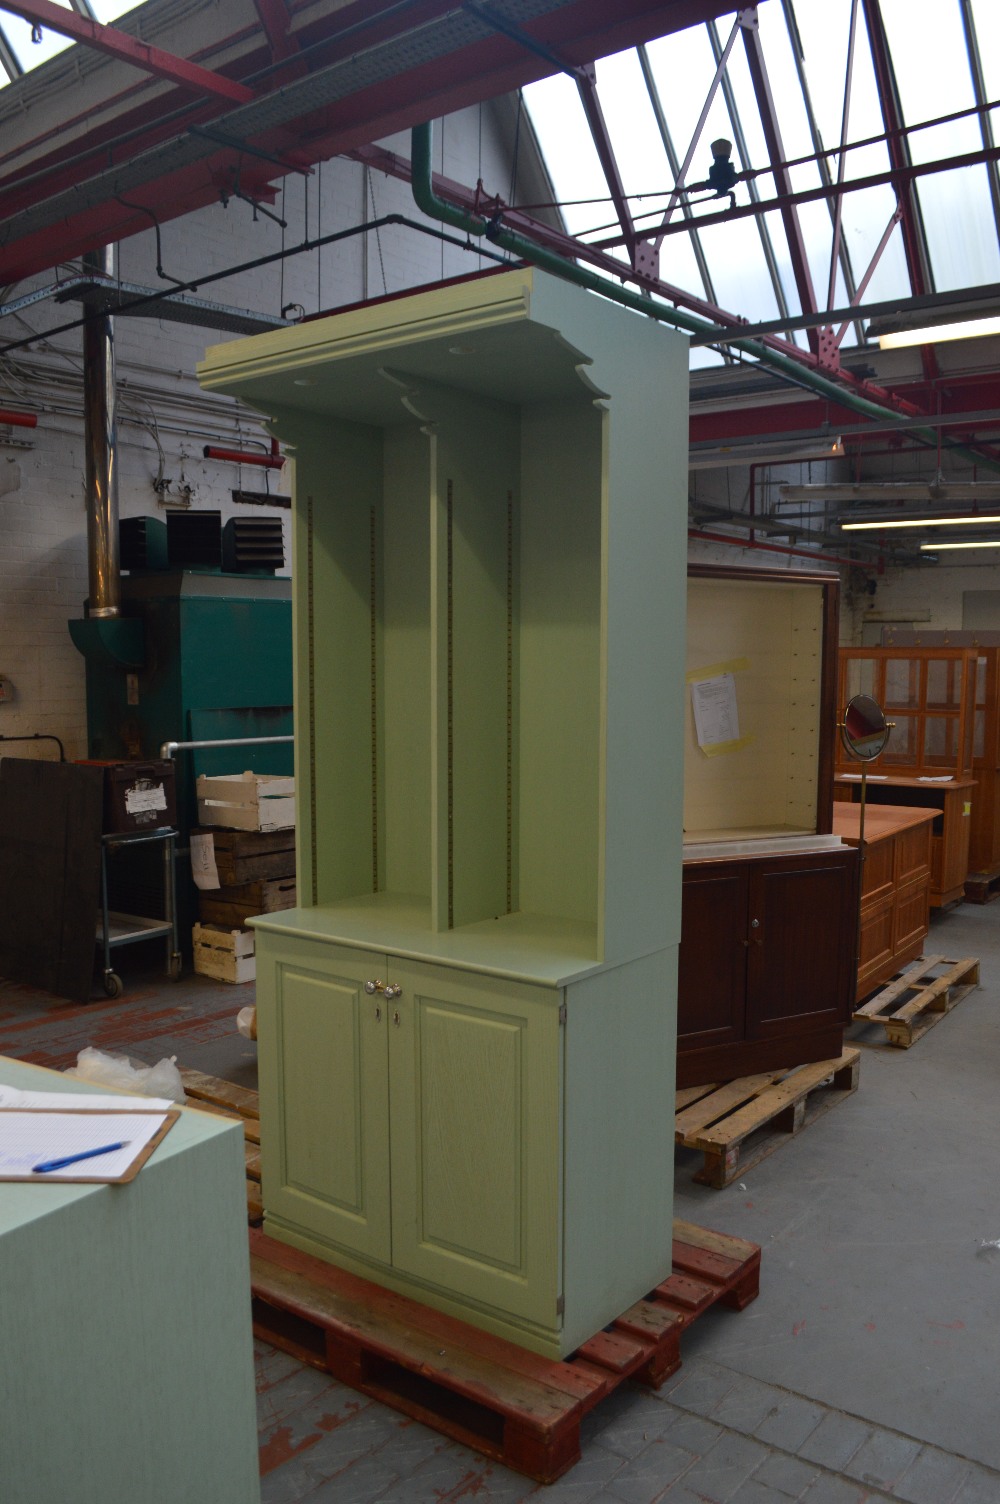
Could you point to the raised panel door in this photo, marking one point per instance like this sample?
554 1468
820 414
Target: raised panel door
475 1067
712 964
324 1087
803 943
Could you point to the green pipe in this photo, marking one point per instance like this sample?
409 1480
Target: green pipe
431 204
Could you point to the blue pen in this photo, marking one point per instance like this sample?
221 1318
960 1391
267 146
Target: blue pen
71 1159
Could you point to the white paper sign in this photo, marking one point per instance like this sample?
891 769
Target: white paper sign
716 718
145 796
203 868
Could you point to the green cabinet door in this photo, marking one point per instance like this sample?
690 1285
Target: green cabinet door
324 1085
476 1090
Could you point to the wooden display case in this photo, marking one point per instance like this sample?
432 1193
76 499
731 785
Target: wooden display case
984 832
929 694
466 1027
895 886
767 960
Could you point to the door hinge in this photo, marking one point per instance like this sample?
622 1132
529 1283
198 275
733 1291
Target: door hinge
562 1013
560 1305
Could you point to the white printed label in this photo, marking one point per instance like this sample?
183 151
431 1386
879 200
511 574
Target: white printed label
145 796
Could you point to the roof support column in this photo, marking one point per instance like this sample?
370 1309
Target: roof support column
101 446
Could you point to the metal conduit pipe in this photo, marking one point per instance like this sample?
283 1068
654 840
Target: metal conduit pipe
18 420
437 208
100 444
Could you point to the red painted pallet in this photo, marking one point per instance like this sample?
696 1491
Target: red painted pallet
510 1404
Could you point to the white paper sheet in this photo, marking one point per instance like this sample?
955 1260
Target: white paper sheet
66 1101
31 1138
716 718
203 868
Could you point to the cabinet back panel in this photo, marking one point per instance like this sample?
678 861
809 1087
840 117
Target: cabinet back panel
339 487
561 804
403 687
476 500
772 636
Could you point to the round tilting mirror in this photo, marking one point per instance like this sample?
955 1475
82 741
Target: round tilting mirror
864 728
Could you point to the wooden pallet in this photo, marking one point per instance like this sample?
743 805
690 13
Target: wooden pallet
739 1123
231 1101
982 887
522 1409
918 998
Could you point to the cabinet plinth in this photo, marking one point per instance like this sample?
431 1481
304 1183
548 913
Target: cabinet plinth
465 1028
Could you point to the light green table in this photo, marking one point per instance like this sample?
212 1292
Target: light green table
127 1373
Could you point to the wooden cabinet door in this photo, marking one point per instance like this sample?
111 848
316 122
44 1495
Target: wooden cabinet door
802 956
324 1089
475 1082
712 965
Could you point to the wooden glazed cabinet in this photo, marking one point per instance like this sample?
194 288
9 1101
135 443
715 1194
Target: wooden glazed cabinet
895 887
929 694
466 1029
984 827
768 943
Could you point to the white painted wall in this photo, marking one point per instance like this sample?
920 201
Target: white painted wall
164 420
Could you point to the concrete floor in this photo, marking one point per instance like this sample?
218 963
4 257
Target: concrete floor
867 1369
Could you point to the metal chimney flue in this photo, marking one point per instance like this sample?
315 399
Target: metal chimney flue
100 442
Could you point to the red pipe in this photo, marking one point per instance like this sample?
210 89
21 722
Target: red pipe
19 420
272 461
780 548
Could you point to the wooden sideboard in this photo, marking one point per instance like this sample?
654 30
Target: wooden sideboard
895 886
766 960
951 806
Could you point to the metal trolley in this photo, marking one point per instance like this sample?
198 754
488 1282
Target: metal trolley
114 929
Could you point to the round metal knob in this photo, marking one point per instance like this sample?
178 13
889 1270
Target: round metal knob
393 990
374 986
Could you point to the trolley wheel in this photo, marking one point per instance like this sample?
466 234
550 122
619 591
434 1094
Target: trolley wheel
113 984
175 966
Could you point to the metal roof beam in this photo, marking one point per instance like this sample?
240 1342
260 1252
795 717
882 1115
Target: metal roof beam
772 135
979 90
119 45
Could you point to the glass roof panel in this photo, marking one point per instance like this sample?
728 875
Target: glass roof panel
570 155
986 17
30 53
961 231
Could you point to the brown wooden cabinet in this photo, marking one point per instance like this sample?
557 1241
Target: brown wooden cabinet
951 806
895 886
767 961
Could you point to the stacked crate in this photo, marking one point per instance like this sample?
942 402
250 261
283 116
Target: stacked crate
250 821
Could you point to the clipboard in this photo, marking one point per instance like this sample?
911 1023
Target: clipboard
106 1124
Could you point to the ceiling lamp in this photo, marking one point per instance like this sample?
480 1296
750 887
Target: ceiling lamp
970 492
917 519
717 456
973 543
927 325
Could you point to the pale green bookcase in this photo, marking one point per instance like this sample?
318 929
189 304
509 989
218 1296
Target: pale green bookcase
467 1027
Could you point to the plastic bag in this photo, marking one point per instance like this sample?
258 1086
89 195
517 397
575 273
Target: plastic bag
160 1080
246 1022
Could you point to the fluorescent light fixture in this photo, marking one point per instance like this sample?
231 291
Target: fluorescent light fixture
718 456
933 493
975 543
879 524
931 334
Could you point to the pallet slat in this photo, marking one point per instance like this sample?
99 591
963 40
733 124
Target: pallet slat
512 1405
733 1140
931 998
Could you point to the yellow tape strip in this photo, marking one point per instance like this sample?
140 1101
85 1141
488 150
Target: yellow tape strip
721 748
715 669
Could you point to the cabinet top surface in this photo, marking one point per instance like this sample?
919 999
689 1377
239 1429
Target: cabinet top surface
882 821
496 337
26 1202
899 781
521 947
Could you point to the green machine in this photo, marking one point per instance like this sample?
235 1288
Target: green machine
199 653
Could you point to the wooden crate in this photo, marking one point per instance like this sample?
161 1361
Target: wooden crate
247 801
739 1123
918 998
510 1404
226 955
248 856
232 907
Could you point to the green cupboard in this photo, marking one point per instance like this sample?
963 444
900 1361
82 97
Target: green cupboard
466 1030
